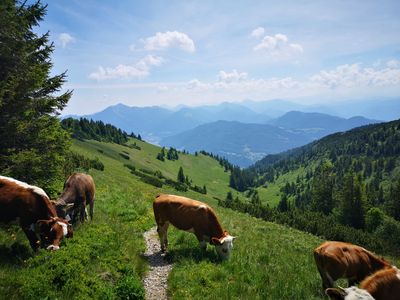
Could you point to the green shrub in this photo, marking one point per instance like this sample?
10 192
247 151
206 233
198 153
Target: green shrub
373 219
129 287
151 180
130 167
124 155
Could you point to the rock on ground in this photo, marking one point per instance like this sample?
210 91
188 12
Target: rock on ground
156 280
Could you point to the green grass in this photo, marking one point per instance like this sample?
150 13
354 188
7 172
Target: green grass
104 259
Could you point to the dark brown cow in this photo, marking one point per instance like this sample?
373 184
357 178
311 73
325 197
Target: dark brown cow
32 207
382 285
193 216
343 260
79 190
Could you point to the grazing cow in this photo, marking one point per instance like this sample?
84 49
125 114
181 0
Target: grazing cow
193 216
342 260
78 192
382 285
32 207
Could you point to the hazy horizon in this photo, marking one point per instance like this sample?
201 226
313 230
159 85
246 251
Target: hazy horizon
202 53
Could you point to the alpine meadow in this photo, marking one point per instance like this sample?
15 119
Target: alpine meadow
130 170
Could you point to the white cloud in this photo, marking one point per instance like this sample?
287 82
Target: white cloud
231 77
342 78
65 39
393 64
278 46
351 76
196 84
169 39
258 32
139 70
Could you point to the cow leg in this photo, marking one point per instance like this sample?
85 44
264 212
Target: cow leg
200 238
86 214
32 237
91 210
83 212
327 281
162 233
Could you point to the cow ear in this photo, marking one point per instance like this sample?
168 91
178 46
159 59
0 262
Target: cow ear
335 293
216 241
43 222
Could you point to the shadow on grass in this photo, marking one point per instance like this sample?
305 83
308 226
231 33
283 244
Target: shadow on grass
15 254
195 254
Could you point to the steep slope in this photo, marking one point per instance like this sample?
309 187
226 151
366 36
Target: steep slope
105 257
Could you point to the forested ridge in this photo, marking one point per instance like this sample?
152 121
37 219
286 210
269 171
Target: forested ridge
347 186
96 130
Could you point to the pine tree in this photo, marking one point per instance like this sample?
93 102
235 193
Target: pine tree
32 143
283 203
351 210
181 177
321 194
393 202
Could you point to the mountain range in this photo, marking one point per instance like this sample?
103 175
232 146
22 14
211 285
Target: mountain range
245 132
243 144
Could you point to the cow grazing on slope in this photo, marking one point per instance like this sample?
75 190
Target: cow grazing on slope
193 216
32 207
382 285
79 190
343 260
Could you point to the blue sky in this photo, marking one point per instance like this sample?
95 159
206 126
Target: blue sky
144 53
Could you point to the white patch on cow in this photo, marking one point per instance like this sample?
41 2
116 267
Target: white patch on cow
225 248
355 293
64 227
35 189
53 247
32 227
397 272
68 218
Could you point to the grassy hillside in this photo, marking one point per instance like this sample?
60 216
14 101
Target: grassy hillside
104 259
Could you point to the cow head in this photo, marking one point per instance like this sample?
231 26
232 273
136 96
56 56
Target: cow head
52 232
223 245
62 209
351 293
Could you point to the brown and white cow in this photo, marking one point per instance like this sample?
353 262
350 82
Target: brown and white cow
343 260
31 205
382 285
193 216
79 190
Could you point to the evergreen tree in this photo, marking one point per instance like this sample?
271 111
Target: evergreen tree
229 197
393 202
255 198
161 155
322 188
204 189
32 143
181 177
283 203
351 208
